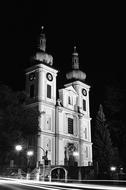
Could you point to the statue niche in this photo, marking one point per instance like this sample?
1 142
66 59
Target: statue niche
69 158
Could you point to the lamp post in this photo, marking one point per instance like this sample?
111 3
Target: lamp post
113 171
18 148
76 154
30 153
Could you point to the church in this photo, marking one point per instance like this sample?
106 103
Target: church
64 121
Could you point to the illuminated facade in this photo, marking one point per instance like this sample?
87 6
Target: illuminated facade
64 121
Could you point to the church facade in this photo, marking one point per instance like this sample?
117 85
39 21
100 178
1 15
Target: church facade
64 121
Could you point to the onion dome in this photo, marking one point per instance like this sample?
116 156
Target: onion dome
75 74
41 55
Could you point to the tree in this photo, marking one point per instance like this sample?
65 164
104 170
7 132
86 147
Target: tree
17 122
115 103
114 99
102 145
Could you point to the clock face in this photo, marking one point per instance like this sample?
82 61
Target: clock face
84 92
31 76
49 76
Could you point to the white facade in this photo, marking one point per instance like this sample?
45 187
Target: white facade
64 121
71 106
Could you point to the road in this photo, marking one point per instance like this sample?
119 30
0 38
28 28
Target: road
15 184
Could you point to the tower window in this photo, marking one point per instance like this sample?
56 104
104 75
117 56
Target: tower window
32 91
70 100
48 91
84 105
70 125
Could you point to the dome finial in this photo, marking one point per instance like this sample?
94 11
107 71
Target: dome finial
75 59
42 40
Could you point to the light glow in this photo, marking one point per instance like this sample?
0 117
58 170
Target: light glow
30 153
75 154
54 185
113 168
18 147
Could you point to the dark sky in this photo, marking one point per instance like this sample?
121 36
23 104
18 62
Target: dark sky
98 31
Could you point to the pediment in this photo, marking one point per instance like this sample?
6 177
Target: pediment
70 88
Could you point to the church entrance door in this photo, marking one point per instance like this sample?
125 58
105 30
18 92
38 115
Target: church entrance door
58 174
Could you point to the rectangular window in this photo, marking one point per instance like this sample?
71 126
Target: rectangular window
48 91
70 100
70 125
32 91
84 105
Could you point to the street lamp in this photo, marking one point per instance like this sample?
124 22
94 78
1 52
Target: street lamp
113 168
76 154
113 171
30 153
18 148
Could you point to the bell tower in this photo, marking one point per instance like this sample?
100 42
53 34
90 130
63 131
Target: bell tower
41 92
41 76
73 116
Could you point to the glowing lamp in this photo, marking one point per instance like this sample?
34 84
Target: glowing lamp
18 147
75 154
30 153
113 168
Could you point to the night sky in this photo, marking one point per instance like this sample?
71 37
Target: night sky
97 30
